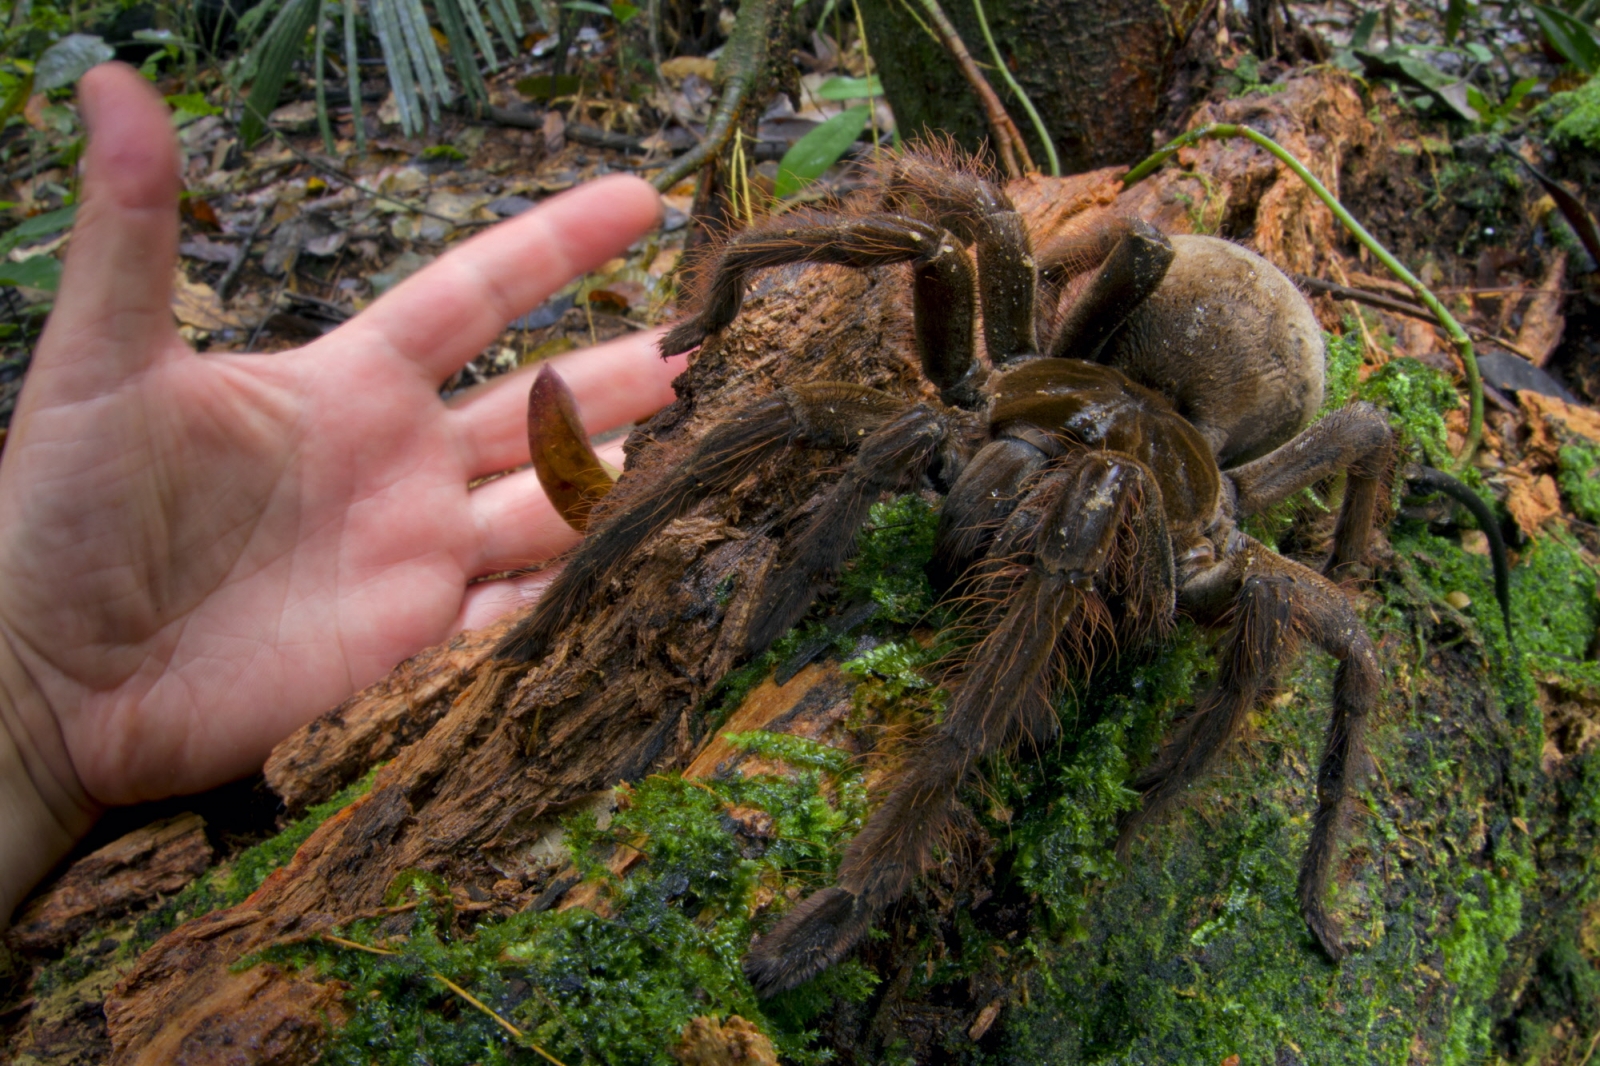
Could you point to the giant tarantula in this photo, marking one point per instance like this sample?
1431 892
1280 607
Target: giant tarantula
1094 481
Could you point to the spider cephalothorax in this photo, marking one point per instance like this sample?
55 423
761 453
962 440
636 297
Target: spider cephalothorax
1095 458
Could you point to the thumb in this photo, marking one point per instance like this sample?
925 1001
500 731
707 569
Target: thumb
113 315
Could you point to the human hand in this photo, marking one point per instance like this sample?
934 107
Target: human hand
201 552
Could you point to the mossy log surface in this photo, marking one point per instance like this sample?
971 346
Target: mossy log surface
494 849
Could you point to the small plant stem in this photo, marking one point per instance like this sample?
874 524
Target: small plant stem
866 55
352 65
516 1033
1008 144
1016 87
742 65
319 61
1458 336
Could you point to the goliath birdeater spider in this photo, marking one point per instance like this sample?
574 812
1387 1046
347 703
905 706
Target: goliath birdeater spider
1094 470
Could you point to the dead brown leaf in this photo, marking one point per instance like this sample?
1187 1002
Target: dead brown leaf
1545 414
679 67
195 304
705 1041
1533 499
1543 323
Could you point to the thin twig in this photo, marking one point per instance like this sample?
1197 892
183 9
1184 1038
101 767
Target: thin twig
1398 306
507 1026
232 273
1458 336
1009 146
1016 87
516 1033
742 59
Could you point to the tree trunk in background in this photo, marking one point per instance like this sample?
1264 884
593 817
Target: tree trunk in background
1095 69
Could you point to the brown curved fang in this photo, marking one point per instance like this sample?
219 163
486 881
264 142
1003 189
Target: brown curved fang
573 476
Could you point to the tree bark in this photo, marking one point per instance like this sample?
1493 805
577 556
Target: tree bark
1094 69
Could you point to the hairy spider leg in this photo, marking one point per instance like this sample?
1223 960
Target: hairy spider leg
1083 523
1130 273
980 502
942 287
1279 603
981 215
1356 439
889 457
824 414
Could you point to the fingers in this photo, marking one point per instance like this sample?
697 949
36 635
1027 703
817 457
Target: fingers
442 316
619 382
517 524
492 600
113 317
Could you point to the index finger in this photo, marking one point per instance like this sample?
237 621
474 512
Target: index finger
444 315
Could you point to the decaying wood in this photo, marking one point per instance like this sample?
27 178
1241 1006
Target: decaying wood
323 756
131 871
485 759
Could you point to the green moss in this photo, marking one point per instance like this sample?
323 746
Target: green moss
1417 396
1575 116
1345 353
618 987
231 883
892 549
1073 798
1579 477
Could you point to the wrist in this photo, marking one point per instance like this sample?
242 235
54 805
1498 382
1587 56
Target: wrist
43 808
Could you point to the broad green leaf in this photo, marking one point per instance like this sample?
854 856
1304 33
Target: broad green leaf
819 150
1518 91
1574 40
842 88
186 107
622 11
587 5
68 60
38 272
276 52
1455 14
1363 30
16 98
45 225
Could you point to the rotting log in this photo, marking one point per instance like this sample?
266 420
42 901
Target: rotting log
487 761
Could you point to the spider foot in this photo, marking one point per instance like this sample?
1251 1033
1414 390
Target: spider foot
1324 928
810 938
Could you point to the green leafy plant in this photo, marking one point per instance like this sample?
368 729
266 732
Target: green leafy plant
818 150
406 38
38 271
1570 36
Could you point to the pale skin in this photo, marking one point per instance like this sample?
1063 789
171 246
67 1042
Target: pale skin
200 553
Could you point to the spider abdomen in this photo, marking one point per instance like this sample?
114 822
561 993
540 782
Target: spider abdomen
1230 340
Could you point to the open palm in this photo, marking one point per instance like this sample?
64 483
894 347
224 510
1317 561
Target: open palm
200 552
